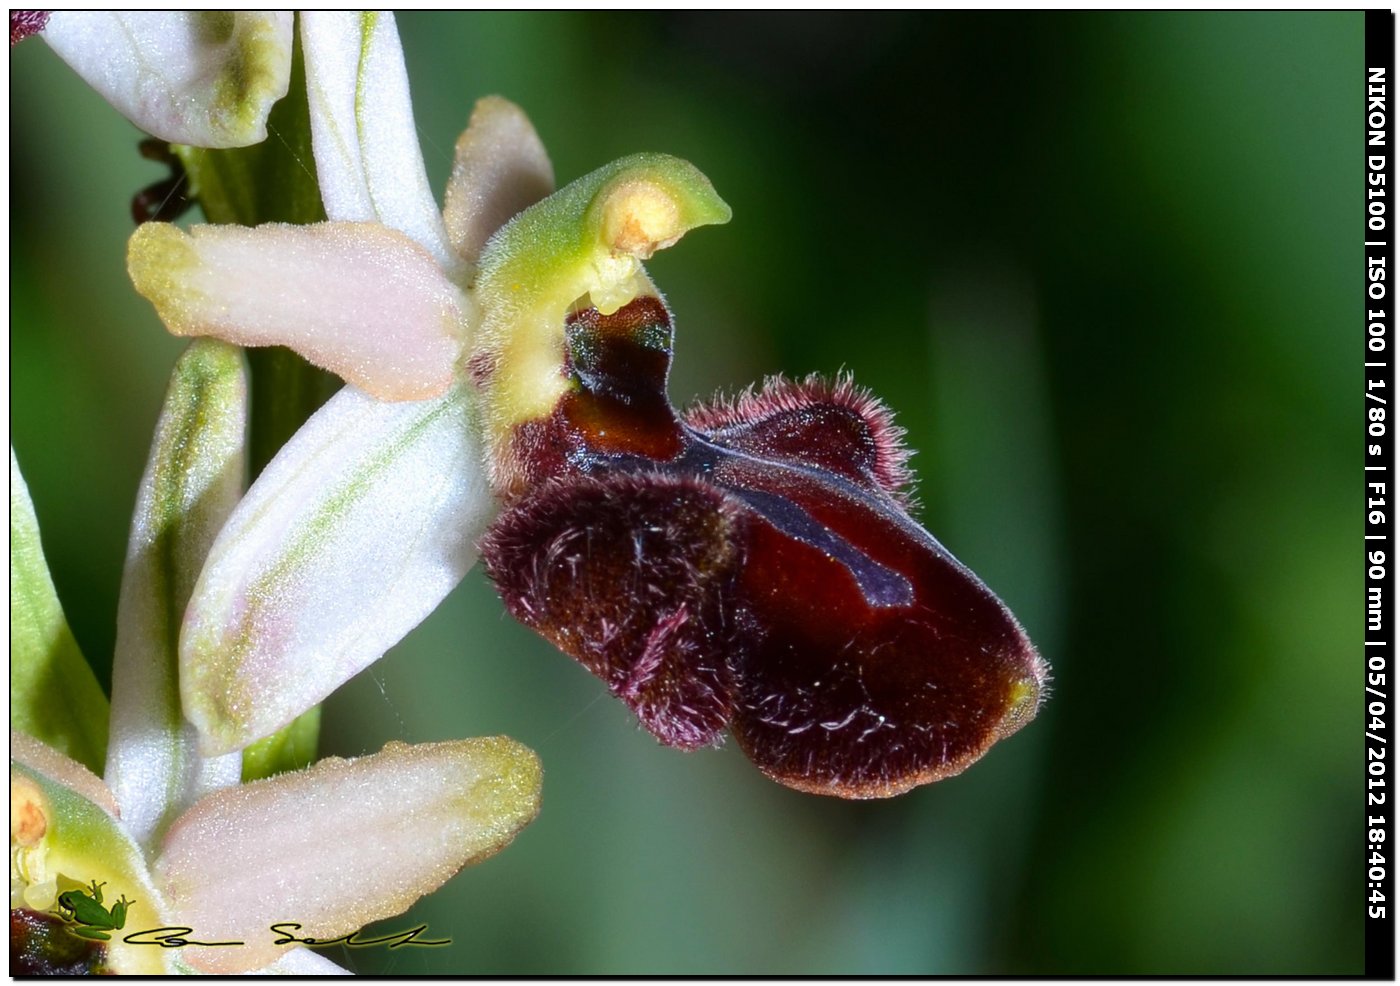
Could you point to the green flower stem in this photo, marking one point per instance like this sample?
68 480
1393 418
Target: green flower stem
274 181
291 747
286 390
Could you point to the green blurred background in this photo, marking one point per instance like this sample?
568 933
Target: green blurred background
1105 269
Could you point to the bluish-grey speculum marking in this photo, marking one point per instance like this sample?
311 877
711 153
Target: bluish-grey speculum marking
881 586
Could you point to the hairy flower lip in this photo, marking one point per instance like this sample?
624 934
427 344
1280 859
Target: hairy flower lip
888 459
754 565
26 23
41 945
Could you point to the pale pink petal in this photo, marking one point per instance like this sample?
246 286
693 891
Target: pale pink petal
207 78
368 163
359 299
193 478
363 522
341 844
500 169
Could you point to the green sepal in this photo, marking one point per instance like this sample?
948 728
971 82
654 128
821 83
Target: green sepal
54 695
292 747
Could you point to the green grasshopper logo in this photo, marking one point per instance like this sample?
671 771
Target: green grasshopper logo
89 919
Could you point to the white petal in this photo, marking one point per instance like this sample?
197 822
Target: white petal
341 844
207 78
500 168
361 300
368 163
300 962
193 478
351 536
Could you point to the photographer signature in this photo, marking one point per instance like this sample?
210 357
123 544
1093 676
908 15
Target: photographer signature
176 936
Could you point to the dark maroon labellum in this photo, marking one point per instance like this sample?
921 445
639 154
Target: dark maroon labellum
24 23
753 565
41 945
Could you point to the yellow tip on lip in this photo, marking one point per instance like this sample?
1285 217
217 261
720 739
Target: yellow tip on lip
1021 706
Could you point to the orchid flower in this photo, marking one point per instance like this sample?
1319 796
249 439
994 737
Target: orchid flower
749 566
171 831
207 78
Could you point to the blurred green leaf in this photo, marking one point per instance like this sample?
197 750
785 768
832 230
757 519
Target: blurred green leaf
53 694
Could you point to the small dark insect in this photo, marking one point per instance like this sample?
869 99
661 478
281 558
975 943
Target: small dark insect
163 201
752 565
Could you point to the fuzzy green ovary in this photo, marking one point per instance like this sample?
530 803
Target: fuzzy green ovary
584 243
